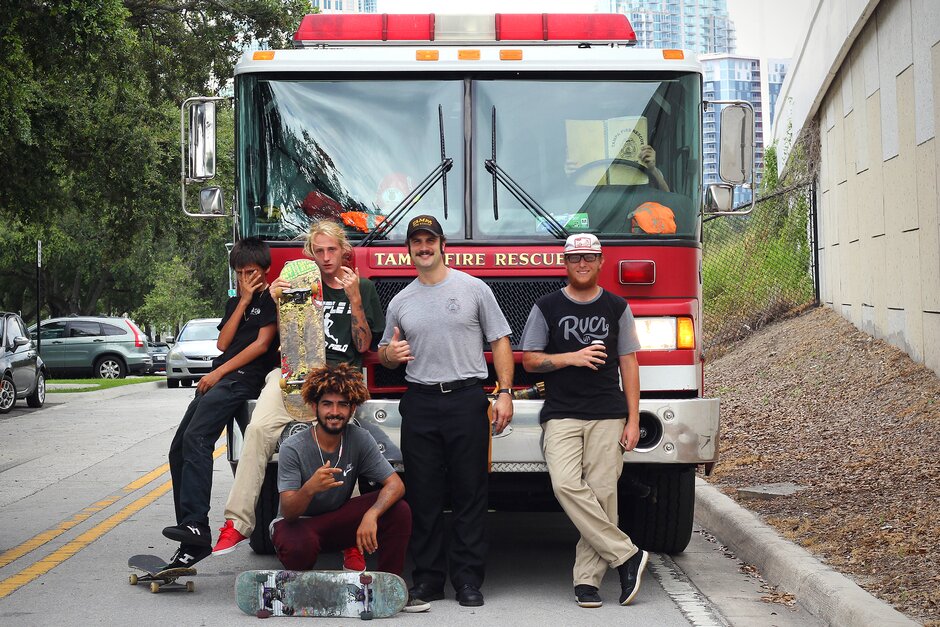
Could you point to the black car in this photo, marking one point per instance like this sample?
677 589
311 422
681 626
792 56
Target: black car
158 351
23 372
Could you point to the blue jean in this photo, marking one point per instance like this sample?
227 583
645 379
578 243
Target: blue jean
191 451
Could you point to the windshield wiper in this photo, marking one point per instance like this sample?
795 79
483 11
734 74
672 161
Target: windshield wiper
401 209
551 224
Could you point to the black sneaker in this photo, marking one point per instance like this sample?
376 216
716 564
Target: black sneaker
426 592
587 596
188 555
631 572
190 533
415 604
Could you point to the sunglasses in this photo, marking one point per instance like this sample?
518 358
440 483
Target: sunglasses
588 257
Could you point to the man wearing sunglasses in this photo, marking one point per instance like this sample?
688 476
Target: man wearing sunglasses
588 419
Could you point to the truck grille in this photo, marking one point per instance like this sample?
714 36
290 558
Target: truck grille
515 297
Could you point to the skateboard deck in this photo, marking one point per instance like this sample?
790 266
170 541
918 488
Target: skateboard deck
158 575
300 326
331 593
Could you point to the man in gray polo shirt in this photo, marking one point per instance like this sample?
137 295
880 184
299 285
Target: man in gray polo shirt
438 325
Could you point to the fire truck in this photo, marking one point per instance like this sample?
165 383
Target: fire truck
514 130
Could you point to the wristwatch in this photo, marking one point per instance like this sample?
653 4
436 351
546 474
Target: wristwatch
504 391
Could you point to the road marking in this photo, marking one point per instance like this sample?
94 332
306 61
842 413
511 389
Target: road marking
11 555
44 565
692 603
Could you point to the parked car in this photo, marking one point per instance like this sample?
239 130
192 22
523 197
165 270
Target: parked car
22 372
158 351
106 348
191 355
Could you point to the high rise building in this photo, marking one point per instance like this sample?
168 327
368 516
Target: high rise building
776 71
731 77
701 26
345 6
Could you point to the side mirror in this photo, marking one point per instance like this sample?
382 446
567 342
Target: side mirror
197 152
719 197
20 341
210 201
170 340
736 152
202 141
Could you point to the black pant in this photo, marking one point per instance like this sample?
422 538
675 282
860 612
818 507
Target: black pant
444 442
191 451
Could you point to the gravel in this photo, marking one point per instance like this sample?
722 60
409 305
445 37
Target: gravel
815 402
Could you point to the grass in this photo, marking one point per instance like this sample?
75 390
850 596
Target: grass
91 385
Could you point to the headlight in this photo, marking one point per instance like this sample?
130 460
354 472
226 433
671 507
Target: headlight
665 333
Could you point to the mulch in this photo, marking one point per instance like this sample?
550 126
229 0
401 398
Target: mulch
816 402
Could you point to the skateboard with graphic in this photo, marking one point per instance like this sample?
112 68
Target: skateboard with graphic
300 326
332 593
161 578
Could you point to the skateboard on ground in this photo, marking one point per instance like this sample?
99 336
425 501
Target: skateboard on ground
333 593
300 326
160 578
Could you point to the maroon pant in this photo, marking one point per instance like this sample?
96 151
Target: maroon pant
298 543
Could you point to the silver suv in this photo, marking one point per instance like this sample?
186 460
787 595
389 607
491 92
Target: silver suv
106 348
191 356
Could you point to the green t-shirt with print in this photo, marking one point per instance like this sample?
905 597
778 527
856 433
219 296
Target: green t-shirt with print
337 322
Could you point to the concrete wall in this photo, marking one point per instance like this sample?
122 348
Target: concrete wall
869 73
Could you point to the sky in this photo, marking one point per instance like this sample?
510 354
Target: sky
765 28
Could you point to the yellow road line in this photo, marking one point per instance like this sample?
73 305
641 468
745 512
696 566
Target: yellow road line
11 555
28 574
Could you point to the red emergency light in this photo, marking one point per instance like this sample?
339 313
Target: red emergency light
364 29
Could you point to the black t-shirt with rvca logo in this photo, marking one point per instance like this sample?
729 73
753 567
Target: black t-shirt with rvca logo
558 324
337 322
260 313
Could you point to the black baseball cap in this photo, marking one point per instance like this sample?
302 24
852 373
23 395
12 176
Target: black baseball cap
424 223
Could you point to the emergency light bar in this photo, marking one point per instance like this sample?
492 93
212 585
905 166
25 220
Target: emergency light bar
369 29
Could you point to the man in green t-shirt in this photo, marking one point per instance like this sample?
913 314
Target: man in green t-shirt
352 316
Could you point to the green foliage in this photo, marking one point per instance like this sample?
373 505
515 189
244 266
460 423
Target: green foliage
91 385
174 298
89 143
757 267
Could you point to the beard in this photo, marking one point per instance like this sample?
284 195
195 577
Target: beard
330 430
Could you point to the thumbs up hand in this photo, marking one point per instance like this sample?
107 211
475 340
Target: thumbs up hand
398 350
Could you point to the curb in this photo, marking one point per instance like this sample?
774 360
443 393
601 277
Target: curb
825 593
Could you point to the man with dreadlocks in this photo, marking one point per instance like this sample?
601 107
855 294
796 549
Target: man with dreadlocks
317 470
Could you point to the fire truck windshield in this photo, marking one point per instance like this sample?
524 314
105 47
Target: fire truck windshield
615 157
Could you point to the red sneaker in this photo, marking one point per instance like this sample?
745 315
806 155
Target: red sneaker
229 539
353 560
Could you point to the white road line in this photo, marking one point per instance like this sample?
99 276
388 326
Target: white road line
693 604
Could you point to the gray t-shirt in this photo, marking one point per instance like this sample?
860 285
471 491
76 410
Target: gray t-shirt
446 325
299 458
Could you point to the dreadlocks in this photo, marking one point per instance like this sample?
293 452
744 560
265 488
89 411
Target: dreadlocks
341 379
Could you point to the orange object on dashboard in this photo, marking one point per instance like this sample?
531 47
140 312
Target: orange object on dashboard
361 220
652 217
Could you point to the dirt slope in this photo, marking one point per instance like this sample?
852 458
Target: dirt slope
814 401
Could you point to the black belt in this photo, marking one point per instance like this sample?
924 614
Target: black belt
446 386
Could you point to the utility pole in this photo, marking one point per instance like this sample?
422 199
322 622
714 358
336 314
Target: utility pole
38 296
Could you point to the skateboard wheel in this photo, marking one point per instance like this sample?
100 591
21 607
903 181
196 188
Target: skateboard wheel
277 293
365 615
263 613
155 587
133 579
190 586
365 579
283 384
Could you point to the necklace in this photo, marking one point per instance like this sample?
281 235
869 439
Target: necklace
320 450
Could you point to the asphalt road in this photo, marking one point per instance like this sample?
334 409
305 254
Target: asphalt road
83 486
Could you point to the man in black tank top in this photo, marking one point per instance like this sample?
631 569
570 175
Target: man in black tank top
587 418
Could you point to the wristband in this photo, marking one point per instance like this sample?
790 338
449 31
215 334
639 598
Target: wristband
504 391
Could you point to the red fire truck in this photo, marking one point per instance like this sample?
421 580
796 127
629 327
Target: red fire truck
515 131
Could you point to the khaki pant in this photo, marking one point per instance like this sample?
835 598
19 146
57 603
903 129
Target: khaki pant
267 421
585 461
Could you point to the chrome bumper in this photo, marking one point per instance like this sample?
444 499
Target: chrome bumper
673 431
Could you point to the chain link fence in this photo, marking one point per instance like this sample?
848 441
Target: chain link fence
759 267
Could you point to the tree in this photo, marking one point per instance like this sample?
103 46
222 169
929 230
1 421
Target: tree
89 142
174 298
